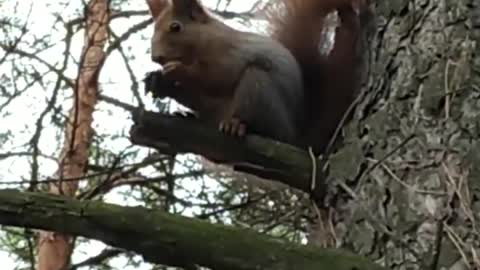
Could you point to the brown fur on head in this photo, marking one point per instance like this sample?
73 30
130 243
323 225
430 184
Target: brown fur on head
178 24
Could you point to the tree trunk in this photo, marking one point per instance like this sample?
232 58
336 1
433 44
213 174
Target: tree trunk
406 176
54 249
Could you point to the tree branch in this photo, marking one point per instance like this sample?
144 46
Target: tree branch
98 259
167 239
255 155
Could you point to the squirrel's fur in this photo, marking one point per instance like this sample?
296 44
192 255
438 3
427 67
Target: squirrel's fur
279 86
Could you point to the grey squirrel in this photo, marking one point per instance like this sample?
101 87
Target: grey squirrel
277 86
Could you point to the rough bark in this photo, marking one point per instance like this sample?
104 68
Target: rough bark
168 239
407 178
54 249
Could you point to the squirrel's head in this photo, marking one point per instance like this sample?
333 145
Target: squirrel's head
178 26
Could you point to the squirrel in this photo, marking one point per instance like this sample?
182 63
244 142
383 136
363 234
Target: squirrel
279 86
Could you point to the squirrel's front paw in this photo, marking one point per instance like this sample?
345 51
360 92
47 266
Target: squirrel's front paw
233 127
156 83
150 81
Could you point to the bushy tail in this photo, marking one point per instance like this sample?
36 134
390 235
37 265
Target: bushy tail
331 79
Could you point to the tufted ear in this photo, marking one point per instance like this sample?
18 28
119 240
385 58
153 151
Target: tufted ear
156 6
191 8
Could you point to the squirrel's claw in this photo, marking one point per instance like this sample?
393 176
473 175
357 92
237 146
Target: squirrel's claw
173 70
184 114
233 127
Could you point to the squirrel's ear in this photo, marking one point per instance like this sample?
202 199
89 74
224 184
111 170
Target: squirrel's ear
191 8
156 6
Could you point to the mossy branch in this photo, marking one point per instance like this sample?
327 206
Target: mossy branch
253 154
168 239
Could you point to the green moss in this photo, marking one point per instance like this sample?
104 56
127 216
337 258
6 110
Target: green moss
169 239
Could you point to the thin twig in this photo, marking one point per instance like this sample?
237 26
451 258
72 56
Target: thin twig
383 159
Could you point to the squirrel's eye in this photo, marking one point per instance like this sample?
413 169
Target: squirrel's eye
175 27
